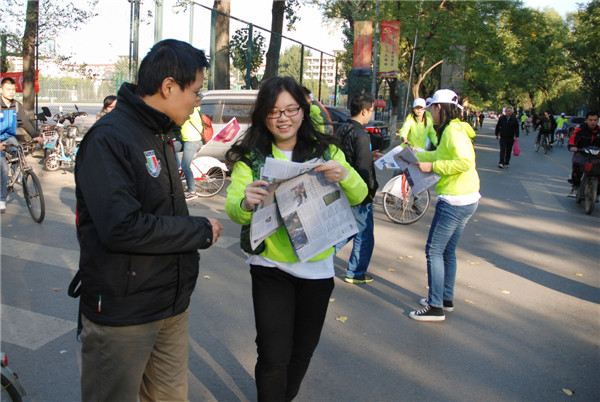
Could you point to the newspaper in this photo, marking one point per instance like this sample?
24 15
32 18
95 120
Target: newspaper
315 212
404 159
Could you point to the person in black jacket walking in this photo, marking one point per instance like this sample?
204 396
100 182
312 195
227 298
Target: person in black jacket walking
356 145
507 129
139 260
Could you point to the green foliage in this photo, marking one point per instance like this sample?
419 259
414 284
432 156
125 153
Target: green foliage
289 62
585 56
238 46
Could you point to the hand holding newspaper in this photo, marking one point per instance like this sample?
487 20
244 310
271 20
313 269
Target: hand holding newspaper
404 159
315 212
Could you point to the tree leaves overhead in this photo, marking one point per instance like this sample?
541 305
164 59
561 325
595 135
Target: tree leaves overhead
513 55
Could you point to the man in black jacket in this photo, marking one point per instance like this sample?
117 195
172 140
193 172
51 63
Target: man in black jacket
356 145
139 260
508 130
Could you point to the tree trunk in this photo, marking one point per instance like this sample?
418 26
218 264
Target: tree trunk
221 79
395 100
275 42
29 40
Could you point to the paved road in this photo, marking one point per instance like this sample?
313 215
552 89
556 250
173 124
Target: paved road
526 323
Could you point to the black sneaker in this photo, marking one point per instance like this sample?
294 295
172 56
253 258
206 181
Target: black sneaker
359 279
428 314
506 166
448 305
501 166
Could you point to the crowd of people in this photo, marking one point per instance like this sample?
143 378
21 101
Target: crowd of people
139 245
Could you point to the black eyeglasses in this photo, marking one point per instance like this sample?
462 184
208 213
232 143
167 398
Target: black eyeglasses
288 112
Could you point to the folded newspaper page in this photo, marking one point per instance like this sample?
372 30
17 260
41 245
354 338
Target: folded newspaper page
404 159
315 212
266 219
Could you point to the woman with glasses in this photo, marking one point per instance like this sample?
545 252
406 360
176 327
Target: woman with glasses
290 297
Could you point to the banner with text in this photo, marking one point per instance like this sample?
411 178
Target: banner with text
363 44
18 77
389 48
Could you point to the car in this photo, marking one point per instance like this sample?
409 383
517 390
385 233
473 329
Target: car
222 105
378 130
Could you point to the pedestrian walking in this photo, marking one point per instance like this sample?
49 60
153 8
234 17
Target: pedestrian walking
458 198
507 129
356 144
290 297
139 261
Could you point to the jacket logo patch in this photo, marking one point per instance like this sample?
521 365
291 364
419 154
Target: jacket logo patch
152 163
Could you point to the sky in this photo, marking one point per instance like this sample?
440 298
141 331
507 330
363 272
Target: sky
106 36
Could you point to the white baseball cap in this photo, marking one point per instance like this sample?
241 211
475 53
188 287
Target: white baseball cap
562 114
444 96
419 102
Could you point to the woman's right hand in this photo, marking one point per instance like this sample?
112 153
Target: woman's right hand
254 194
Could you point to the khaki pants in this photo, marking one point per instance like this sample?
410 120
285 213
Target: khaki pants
148 360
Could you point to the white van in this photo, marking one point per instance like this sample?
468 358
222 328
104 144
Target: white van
221 106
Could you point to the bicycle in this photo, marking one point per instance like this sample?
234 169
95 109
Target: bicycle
560 136
18 169
400 204
543 142
209 175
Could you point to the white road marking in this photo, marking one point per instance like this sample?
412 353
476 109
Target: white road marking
28 251
32 330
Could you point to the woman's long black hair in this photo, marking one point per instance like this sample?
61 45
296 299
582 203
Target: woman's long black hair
448 112
310 143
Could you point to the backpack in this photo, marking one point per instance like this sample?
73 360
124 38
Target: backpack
547 125
8 124
207 131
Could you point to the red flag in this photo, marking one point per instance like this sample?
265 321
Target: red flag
363 44
18 77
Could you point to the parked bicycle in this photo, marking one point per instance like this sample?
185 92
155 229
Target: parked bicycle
400 204
209 175
12 389
20 171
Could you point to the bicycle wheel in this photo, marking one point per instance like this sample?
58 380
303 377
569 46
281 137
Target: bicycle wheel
537 145
210 183
590 192
32 190
11 390
545 145
407 209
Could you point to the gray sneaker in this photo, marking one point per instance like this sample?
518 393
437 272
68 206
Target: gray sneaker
191 196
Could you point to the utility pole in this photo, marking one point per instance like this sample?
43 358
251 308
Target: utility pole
375 52
158 21
134 39
412 63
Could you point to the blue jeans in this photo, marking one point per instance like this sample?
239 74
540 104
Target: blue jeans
364 241
447 226
189 150
4 167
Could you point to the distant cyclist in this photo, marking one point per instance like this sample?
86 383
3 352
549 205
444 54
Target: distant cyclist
587 134
547 126
562 123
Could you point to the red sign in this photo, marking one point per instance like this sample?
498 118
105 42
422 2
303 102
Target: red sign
228 132
363 45
389 48
18 77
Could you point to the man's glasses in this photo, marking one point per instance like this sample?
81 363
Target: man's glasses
288 112
199 94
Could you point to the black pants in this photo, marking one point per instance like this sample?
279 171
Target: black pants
506 146
289 314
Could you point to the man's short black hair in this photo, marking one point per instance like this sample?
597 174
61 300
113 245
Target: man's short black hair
169 58
10 80
591 113
360 102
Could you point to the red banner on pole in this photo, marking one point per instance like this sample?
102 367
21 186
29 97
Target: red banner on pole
363 45
389 48
18 77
